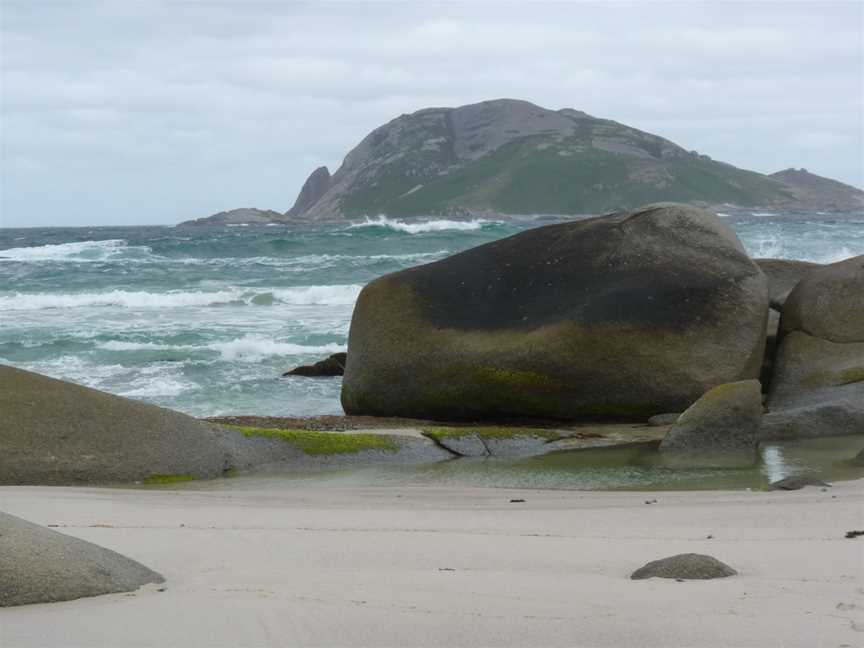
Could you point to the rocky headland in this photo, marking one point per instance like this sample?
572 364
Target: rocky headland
508 156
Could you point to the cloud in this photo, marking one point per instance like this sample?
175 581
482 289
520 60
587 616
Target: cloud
118 112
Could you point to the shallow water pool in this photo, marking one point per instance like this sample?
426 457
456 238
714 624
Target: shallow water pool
623 468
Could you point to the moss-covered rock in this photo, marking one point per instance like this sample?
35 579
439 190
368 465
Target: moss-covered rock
721 428
617 317
324 443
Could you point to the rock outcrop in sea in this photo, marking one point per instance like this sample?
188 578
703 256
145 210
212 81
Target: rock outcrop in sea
617 317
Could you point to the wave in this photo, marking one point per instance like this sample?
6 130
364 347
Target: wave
421 227
249 348
83 251
299 296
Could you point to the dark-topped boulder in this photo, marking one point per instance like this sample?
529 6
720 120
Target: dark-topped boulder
621 316
332 366
783 275
817 387
38 565
55 432
721 428
828 303
688 566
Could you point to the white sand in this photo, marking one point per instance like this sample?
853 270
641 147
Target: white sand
306 566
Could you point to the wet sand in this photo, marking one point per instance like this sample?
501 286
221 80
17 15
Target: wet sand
408 566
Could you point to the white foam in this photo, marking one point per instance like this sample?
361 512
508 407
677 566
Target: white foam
420 227
252 348
301 295
83 251
762 214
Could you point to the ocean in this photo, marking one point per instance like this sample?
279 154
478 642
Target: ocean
205 320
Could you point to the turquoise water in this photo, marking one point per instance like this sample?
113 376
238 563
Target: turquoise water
206 320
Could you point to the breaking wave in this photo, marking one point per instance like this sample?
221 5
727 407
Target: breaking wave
301 296
420 227
83 251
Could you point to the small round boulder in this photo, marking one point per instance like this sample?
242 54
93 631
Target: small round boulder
688 566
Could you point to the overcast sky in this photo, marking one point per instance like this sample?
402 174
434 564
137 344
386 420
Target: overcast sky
140 112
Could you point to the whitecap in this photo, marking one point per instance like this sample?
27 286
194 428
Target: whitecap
762 214
83 251
252 348
420 227
299 295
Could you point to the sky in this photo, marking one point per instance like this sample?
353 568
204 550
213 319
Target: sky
148 112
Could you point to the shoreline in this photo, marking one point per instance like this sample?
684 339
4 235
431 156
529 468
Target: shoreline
310 565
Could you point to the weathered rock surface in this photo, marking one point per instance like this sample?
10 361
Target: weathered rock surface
722 426
316 185
621 316
332 366
55 432
659 420
38 565
688 566
797 482
817 387
828 303
783 275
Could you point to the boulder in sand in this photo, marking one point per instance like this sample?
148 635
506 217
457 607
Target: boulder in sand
688 566
721 428
56 432
619 317
38 565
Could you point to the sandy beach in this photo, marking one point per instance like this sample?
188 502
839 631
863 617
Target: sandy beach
323 566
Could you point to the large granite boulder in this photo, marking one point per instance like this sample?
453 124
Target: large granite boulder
721 428
783 275
55 432
817 387
38 565
620 316
828 303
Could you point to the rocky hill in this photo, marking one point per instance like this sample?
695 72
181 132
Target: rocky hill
513 157
820 193
242 216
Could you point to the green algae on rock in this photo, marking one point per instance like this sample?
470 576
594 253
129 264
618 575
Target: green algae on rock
324 443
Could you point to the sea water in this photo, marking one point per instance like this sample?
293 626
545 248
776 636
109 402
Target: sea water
205 320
